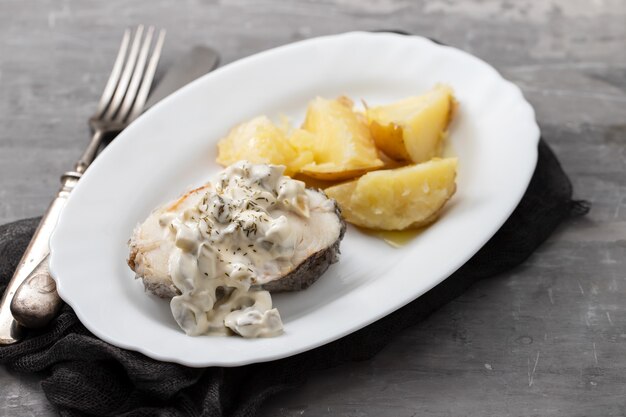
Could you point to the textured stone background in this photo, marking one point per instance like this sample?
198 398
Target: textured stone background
547 339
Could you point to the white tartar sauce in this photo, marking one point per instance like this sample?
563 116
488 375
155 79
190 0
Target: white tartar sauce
225 243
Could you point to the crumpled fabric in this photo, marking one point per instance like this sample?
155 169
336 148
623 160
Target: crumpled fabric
85 376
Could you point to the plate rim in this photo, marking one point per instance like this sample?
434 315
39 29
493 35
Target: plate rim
55 240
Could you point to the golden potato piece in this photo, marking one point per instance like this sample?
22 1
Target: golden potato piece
340 141
330 172
342 193
412 129
400 198
390 139
261 141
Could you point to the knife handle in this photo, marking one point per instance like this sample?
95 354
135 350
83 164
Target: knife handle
37 250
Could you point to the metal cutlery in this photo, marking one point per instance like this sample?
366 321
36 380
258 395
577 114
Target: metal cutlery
122 100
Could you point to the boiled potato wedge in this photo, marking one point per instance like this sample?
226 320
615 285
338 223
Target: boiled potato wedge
340 141
398 199
261 141
413 129
342 193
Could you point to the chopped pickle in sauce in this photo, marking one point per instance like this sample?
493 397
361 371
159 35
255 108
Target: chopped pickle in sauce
238 227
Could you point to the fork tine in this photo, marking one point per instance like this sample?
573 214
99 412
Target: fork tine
126 73
107 94
135 81
146 82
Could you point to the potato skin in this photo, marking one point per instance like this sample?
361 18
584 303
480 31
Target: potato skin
390 139
336 173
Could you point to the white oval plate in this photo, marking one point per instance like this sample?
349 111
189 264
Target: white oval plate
173 147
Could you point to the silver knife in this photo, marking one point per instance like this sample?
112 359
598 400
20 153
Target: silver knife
199 61
36 301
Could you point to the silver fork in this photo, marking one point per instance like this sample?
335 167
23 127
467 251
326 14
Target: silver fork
122 100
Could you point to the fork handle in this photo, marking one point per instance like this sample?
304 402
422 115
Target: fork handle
37 250
36 302
90 152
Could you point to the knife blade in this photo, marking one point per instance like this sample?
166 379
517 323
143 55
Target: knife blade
199 61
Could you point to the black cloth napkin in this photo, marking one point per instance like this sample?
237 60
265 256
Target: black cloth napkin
82 375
